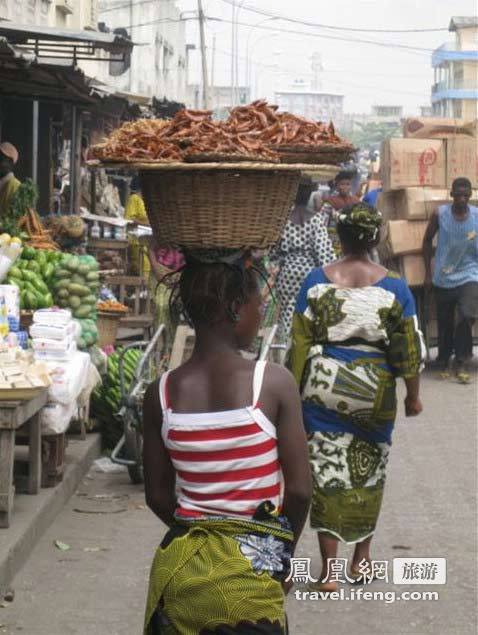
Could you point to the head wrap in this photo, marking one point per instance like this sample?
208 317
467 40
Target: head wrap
365 221
9 151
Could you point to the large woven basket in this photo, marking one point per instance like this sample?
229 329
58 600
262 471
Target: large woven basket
107 327
235 207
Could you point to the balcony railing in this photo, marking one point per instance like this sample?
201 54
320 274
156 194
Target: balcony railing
449 52
457 84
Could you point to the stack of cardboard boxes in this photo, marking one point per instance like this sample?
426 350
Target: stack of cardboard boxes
417 173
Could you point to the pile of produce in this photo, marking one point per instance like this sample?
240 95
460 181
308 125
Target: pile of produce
64 228
257 132
34 233
25 198
75 287
33 274
106 399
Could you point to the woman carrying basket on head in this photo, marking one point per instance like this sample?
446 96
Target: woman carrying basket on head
226 469
354 331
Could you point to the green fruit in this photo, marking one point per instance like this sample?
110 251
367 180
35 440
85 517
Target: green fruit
48 300
89 299
34 266
93 276
40 257
83 311
15 272
83 269
22 264
61 284
77 279
62 273
48 270
89 338
31 300
80 342
73 263
16 282
78 289
63 303
74 301
23 300
28 253
40 286
29 276
63 293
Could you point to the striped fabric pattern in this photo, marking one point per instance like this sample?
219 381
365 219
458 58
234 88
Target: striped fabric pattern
226 462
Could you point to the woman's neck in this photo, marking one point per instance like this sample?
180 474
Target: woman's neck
362 257
218 340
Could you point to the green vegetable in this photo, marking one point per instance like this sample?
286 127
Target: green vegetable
74 301
48 270
27 275
15 272
78 289
25 197
77 279
63 293
83 311
80 342
73 263
62 273
61 284
40 286
93 276
90 299
31 300
40 257
83 269
28 253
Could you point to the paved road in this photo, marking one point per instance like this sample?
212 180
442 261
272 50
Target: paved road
98 586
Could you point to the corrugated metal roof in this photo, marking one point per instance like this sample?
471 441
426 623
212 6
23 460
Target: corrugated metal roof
21 34
461 22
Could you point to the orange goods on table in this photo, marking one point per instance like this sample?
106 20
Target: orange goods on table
111 306
40 238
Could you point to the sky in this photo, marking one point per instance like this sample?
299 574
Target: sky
366 74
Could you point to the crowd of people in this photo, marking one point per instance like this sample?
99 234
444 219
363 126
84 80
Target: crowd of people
232 467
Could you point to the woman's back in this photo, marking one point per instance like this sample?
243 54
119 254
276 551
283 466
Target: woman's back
226 461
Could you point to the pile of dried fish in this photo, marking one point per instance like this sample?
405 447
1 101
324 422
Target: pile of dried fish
256 132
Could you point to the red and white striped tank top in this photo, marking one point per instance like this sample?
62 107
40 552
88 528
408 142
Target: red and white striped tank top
226 462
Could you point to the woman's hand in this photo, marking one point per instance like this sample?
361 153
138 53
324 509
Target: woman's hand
413 406
287 586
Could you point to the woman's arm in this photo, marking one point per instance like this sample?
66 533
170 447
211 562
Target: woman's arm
292 446
159 474
302 336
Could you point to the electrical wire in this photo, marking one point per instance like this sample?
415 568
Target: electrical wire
329 26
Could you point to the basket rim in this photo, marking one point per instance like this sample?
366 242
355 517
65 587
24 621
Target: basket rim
190 167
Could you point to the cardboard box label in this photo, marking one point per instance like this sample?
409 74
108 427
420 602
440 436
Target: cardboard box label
413 163
462 160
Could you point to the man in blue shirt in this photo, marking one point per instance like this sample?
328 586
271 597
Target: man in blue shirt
455 278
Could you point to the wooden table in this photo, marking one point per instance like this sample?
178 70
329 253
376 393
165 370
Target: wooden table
13 415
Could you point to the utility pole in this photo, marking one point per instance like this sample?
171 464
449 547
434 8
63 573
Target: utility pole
213 62
205 84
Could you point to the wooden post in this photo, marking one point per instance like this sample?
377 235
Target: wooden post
205 83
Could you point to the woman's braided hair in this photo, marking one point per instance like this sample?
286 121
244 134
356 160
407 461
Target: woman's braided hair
358 226
212 285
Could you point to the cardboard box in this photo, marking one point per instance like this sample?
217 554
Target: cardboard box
413 163
387 205
418 203
437 128
412 268
462 160
403 237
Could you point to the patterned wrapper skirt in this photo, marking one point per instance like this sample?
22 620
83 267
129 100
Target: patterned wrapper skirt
220 576
348 479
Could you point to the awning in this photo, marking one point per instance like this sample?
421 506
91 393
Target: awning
47 42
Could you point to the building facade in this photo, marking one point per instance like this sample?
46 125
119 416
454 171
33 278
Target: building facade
455 64
320 106
70 14
158 64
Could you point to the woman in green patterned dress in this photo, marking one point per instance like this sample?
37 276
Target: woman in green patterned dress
354 331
